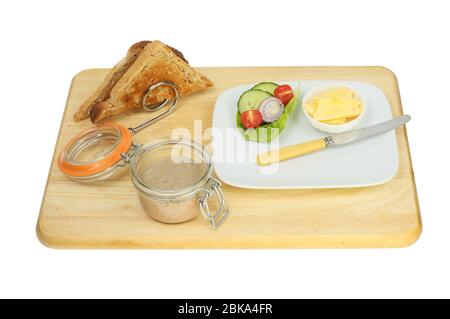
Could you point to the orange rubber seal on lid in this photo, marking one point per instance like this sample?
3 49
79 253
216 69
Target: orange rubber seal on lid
89 169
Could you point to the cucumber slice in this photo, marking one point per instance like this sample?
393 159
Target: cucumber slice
269 87
251 99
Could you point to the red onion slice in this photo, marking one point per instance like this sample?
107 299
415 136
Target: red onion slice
271 109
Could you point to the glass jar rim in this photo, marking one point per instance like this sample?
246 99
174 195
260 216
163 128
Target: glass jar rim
79 144
177 193
100 164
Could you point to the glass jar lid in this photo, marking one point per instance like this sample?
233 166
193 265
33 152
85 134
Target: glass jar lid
170 168
95 150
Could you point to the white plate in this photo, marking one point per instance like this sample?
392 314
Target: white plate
368 162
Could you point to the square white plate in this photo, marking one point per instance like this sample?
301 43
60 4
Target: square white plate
367 162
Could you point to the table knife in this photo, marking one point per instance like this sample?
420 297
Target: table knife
296 150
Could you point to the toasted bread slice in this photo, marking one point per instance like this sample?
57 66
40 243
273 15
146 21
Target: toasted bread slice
102 92
157 62
145 64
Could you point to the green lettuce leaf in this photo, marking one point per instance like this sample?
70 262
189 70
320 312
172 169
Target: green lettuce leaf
268 131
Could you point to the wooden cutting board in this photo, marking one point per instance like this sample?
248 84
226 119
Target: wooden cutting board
109 215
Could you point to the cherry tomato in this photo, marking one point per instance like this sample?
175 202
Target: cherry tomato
284 93
251 119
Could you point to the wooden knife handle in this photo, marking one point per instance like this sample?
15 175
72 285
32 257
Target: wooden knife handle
288 152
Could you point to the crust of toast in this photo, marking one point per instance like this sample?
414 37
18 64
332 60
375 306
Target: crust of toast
102 93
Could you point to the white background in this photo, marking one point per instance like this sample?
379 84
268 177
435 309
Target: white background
45 43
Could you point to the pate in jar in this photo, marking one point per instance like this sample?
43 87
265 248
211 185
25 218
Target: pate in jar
174 182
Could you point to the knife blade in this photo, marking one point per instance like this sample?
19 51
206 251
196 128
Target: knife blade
296 150
354 135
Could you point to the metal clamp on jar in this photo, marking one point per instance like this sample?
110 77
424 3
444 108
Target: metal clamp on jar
173 187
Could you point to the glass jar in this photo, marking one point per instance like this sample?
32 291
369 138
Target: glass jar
174 182
172 188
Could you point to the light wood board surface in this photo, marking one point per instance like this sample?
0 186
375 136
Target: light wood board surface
109 215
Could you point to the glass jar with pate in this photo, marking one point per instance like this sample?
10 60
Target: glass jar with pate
172 187
174 182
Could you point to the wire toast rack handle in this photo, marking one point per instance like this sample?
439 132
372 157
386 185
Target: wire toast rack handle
158 106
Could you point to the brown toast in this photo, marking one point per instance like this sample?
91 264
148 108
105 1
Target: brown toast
146 63
102 92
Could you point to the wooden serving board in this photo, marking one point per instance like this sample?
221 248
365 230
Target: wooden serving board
109 215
